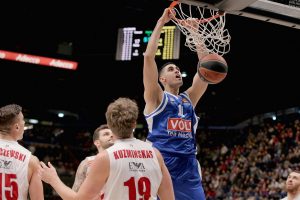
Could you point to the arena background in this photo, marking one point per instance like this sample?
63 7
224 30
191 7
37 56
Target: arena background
263 60
262 78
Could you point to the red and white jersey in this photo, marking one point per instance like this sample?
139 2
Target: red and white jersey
135 172
14 160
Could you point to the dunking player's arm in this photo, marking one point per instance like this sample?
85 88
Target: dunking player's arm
198 87
153 93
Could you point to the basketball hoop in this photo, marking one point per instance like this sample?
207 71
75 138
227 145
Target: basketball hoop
204 28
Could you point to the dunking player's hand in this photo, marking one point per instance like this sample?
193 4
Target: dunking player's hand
167 15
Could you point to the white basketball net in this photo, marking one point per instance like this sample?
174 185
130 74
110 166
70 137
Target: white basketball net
204 28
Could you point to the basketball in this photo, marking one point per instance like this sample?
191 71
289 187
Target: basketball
212 68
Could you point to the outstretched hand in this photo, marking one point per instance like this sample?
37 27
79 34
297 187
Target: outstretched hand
47 174
167 15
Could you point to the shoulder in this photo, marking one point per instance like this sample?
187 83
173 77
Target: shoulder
185 96
145 144
101 161
90 157
83 162
159 156
22 149
34 161
102 156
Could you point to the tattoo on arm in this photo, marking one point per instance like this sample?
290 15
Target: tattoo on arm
80 175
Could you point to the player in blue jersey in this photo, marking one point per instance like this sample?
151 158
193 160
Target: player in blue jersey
171 118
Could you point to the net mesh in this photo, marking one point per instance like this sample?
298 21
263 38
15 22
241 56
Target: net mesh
204 28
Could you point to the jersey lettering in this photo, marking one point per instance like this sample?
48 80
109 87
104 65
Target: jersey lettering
178 124
10 186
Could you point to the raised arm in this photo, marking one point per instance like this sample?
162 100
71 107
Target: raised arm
197 89
153 93
199 86
80 175
165 190
36 191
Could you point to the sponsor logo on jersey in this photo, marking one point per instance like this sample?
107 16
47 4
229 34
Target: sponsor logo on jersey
5 164
178 124
178 127
180 134
135 166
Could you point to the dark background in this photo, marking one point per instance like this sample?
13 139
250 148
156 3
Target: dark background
263 61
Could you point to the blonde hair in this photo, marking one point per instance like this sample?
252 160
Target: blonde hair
121 116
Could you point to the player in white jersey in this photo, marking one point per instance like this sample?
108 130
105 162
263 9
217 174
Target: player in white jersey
102 139
134 170
292 186
130 169
18 167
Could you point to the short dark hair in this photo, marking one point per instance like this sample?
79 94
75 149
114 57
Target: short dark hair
163 66
8 115
97 131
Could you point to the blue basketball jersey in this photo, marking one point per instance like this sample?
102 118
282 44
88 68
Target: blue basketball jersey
172 126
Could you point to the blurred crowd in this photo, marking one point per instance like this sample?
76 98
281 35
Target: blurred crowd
245 164
254 165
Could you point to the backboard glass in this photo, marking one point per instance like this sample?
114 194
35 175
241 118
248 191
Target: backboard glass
283 12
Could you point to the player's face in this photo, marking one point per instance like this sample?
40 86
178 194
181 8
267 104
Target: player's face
293 182
106 138
172 75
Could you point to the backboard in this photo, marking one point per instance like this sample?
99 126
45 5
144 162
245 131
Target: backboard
282 12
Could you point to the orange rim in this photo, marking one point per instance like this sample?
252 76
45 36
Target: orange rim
204 20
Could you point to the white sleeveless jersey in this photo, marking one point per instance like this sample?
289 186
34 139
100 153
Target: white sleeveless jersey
135 172
14 161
